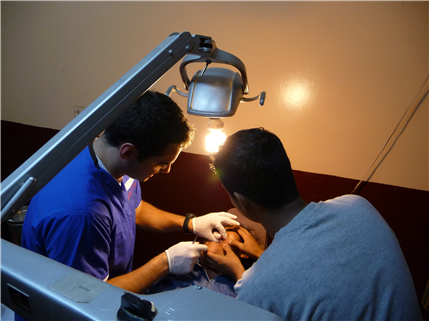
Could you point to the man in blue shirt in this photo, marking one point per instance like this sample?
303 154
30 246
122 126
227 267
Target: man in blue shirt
86 216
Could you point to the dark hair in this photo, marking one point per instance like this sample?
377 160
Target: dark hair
151 124
254 163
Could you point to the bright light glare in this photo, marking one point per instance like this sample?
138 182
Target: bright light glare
214 140
297 92
297 95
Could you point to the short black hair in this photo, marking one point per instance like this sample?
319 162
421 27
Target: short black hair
254 163
151 124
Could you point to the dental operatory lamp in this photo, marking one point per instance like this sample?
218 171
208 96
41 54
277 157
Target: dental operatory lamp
215 92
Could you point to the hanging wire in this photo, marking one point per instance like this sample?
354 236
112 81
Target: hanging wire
403 122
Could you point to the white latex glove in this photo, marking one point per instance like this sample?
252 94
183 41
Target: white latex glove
211 226
183 256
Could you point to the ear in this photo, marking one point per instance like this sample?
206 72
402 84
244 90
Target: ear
241 201
127 151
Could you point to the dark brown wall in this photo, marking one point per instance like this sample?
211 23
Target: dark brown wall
18 143
192 187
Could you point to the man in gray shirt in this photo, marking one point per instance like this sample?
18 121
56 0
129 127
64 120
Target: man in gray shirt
332 260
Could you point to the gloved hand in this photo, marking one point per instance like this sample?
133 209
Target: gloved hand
183 256
203 226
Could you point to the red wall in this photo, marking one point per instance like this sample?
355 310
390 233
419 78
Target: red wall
192 187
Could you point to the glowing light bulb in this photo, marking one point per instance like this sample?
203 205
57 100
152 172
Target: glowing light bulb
216 137
214 140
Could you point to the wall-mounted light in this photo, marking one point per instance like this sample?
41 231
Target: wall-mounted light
215 92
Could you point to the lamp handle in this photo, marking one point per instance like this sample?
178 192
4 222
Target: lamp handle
218 56
261 97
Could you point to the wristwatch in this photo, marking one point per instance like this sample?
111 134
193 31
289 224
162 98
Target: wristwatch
188 217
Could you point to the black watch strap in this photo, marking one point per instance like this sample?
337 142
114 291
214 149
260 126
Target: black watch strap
188 217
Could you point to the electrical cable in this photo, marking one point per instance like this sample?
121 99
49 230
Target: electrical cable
411 110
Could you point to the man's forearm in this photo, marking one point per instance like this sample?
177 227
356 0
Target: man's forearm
152 219
142 278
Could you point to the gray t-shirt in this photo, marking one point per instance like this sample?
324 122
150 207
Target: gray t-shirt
336 260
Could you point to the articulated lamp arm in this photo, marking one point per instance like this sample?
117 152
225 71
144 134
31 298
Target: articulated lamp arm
18 188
